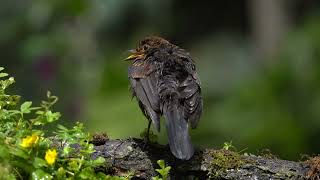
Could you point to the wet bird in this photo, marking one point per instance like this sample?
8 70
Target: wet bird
164 80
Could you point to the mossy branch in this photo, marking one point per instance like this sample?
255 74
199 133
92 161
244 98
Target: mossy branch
130 155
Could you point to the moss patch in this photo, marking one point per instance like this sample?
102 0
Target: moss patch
266 153
99 139
223 160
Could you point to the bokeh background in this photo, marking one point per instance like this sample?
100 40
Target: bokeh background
258 60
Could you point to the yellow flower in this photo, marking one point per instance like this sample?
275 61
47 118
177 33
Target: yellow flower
51 156
29 141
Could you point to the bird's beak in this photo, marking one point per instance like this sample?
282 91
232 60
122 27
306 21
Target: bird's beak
134 55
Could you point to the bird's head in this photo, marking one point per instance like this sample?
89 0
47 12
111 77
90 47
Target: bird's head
146 46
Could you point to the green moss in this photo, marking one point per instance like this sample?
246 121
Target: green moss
223 160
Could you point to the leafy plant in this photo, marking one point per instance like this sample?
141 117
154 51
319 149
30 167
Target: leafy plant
228 146
27 152
163 171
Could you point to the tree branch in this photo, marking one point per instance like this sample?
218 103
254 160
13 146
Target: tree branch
130 155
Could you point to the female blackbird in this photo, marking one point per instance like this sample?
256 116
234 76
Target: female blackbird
164 80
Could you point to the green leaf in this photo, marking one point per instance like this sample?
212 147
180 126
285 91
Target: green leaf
164 171
161 163
61 173
4 151
40 174
1 68
19 153
26 166
62 127
38 163
73 166
3 75
38 121
101 175
6 83
52 116
94 163
13 112
156 178
25 107
40 112
66 150
99 161
87 173
160 171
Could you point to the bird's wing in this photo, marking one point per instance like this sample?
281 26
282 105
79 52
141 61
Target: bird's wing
191 92
190 89
143 84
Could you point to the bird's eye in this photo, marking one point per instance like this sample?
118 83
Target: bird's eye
145 47
193 67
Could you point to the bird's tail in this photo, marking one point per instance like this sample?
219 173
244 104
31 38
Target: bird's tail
177 130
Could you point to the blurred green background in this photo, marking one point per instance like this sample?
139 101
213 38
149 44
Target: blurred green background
258 60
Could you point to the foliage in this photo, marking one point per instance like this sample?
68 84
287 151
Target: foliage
228 145
27 152
163 171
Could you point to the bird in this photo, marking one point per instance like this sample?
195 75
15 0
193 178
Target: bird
164 80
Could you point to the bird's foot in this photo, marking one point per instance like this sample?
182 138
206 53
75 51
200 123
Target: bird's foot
148 136
145 142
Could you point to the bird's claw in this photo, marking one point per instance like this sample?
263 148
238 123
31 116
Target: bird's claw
145 142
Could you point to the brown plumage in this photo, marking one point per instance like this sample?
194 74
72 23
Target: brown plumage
164 80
